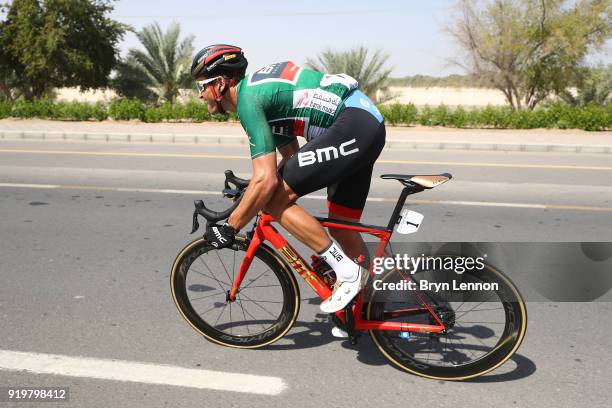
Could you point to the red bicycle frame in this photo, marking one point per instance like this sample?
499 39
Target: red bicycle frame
265 231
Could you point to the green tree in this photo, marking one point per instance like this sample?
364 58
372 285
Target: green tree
593 86
162 68
529 49
371 73
57 43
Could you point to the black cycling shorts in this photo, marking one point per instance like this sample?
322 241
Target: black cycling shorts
341 159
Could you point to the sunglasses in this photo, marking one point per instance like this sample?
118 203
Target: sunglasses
201 85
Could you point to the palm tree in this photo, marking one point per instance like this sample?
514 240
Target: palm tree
594 86
162 68
371 73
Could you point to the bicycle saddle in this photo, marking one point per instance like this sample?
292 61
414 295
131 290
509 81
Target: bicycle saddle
423 180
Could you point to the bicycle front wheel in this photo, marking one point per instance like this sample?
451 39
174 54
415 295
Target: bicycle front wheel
483 328
266 305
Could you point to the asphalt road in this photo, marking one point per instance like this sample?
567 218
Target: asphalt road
88 233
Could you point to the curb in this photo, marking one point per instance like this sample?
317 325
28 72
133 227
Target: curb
394 144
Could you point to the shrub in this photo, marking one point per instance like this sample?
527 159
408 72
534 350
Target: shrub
592 117
171 111
126 109
5 109
73 111
99 112
459 118
217 117
440 116
556 115
196 111
392 113
397 113
153 115
37 108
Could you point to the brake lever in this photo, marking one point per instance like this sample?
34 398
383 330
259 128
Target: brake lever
196 224
231 192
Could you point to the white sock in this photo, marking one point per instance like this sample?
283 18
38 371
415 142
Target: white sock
346 270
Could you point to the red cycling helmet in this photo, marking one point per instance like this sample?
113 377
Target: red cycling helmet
219 59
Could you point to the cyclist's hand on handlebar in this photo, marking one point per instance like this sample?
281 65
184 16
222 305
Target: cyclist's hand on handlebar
220 236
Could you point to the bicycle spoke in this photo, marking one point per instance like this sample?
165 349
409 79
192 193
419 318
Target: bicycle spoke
477 310
212 273
253 281
464 322
222 264
465 300
260 306
218 317
452 345
254 318
466 347
464 312
209 277
209 310
243 314
234 268
446 291
262 301
476 337
204 297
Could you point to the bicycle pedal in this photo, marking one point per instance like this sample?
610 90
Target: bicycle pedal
353 336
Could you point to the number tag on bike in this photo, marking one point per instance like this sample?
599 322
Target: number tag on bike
409 222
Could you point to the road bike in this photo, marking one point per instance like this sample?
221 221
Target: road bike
247 296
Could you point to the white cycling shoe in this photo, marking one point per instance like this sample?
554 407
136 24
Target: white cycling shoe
339 333
343 293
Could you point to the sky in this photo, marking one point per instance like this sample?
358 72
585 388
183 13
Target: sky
410 31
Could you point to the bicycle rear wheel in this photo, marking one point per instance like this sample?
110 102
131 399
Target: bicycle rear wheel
266 305
484 328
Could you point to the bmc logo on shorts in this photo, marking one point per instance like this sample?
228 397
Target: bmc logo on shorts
325 154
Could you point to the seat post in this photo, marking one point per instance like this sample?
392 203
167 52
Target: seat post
400 203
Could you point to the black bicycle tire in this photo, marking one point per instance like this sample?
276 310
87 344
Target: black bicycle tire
291 296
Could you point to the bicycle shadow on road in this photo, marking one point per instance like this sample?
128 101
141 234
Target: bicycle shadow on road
305 335
318 333
523 366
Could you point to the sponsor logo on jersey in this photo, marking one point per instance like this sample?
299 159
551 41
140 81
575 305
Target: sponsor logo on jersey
286 72
290 126
324 154
316 99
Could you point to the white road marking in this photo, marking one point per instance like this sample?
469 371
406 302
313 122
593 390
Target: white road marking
18 185
318 197
494 204
118 370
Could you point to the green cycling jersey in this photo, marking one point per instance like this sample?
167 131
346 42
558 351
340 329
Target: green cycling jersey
283 100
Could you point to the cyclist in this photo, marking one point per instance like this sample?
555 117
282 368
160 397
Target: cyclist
345 134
